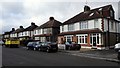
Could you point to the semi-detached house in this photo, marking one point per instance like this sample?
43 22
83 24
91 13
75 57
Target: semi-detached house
6 35
92 28
48 31
28 32
15 34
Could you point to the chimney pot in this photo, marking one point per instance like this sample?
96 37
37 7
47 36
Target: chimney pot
86 8
21 26
51 18
13 29
32 23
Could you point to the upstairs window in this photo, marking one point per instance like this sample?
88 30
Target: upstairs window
95 23
70 27
35 32
84 25
44 31
111 13
39 31
112 25
62 28
47 30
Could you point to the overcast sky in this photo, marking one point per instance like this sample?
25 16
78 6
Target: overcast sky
14 13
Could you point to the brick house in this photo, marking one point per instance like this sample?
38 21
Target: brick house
48 31
92 28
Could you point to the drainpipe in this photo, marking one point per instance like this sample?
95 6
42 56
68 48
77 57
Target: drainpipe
108 33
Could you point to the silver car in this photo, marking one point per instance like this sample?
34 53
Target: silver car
1 42
117 47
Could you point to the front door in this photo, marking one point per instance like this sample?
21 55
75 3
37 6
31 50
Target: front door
94 42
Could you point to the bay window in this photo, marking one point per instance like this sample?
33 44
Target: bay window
68 38
82 39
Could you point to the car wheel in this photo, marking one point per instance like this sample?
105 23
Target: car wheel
78 48
27 48
39 49
69 48
48 50
34 49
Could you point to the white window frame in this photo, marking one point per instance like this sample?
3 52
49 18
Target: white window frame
37 38
100 38
95 23
83 25
67 37
71 27
84 37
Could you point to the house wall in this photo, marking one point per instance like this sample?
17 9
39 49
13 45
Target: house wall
77 27
115 26
76 38
91 24
113 39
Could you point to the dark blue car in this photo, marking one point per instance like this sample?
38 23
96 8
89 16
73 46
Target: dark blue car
33 45
48 47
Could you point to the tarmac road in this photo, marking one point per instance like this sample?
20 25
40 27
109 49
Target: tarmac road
22 57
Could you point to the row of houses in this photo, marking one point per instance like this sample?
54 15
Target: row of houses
92 28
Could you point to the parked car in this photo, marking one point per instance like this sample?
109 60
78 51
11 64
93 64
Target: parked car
118 55
72 46
61 46
48 47
117 47
1 42
33 45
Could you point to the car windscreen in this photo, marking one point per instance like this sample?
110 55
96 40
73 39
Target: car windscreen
30 43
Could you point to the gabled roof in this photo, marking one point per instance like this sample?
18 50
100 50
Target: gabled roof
18 30
52 23
90 14
8 32
31 27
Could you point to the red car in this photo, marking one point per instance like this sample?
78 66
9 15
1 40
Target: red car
72 46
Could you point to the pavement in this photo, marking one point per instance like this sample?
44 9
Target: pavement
108 55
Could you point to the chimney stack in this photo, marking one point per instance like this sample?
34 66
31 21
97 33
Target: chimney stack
21 26
51 18
86 8
13 29
32 23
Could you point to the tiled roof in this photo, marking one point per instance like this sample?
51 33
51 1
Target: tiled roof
96 30
90 14
31 28
42 35
18 30
50 24
9 31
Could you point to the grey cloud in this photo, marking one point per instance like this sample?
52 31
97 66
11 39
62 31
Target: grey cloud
15 12
12 9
